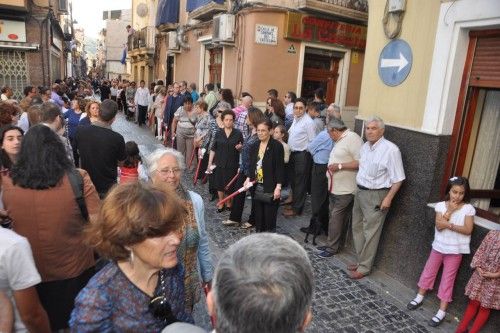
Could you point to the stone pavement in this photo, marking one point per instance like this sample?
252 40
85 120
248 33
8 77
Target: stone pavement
374 304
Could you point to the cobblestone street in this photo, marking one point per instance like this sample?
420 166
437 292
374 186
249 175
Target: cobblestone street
374 304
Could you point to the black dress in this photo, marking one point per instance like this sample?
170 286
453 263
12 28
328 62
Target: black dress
226 157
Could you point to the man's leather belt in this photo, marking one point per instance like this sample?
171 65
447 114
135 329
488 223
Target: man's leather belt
361 187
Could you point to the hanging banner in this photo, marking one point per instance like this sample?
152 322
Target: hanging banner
319 30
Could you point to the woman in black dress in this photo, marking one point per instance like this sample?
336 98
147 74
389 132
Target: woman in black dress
225 154
267 168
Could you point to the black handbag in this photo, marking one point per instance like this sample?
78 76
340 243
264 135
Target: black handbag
260 195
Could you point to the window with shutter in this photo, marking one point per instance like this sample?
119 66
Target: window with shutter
475 142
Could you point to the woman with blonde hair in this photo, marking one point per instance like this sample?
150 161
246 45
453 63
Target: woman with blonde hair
91 113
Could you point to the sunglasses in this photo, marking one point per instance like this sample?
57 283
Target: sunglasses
159 307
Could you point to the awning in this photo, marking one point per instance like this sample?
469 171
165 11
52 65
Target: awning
19 46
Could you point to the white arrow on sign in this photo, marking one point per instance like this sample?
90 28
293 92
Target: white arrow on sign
401 62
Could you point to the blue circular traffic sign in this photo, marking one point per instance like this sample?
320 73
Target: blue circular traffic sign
394 63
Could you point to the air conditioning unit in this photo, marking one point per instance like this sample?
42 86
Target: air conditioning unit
223 28
173 44
63 6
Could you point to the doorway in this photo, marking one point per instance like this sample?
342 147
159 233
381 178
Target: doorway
321 70
169 79
215 66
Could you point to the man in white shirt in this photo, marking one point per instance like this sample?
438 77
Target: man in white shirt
301 133
18 277
250 295
379 178
342 169
114 90
141 101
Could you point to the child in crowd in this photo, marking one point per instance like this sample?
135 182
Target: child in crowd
483 288
454 223
129 172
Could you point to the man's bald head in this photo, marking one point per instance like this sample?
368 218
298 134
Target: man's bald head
247 101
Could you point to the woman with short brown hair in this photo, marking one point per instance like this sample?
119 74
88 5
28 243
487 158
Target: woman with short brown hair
142 289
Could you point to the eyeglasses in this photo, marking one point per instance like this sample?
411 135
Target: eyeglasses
167 171
159 306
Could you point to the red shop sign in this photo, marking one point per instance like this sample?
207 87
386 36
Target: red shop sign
319 30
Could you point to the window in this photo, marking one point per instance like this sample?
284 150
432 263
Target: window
474 147
115 14
14 71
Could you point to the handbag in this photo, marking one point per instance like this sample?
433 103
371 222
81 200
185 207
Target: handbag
260 195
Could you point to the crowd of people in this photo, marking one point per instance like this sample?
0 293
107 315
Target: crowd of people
80 251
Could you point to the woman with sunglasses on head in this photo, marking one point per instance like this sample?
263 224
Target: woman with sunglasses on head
142 289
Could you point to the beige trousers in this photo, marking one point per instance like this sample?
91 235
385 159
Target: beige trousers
367 223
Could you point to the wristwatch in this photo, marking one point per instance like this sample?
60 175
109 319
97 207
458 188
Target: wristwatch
340 166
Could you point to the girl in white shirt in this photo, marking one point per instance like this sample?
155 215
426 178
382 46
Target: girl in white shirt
454 223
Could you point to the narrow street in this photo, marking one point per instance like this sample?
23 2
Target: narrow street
374 304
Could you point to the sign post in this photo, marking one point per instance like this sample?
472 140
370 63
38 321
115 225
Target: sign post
395 62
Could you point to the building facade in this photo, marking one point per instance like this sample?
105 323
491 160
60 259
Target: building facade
114 39
141 42
79 54
252 46
34 42
444 116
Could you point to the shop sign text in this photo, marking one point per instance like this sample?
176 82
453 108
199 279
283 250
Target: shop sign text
319 30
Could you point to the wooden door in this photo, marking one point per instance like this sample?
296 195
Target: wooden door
215 65
320 72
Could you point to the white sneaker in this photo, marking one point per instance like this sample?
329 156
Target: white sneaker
246 225
229 223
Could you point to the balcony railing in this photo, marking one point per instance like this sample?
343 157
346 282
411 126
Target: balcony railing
144 38
205 9
357 10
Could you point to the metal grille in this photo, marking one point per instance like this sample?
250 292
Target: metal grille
14 71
